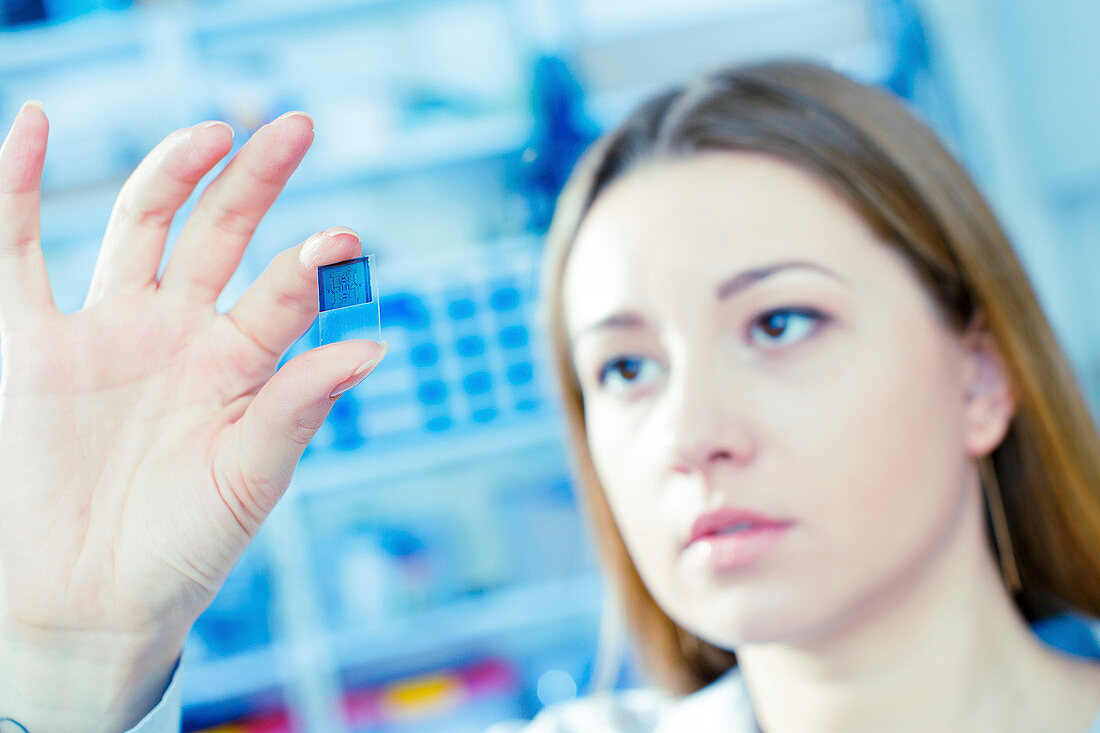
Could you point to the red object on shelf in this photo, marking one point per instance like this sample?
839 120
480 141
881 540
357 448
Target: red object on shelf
490 676
430 694
276 722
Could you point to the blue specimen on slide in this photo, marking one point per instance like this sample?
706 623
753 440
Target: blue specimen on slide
348 303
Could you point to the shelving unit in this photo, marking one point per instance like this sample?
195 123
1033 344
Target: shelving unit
382 123
114 84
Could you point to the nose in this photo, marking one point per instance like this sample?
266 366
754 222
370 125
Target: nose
705 428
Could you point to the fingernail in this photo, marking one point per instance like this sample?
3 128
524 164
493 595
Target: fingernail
32 103
333 231
296 113
215 123
357 376
311 250
201 147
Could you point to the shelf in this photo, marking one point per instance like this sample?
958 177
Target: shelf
319 472
431 146
607 23
98 35
469 621
252 16
123 31
437 631
168 40
212 681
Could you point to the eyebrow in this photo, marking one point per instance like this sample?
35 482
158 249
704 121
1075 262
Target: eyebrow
729 288
743 280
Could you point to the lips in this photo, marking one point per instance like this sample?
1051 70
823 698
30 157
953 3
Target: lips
730 520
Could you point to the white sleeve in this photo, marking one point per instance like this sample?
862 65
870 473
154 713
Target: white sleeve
166 716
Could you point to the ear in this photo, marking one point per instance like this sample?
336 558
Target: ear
989 401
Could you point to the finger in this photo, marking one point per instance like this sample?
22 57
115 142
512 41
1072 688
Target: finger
216 234
24 284
265 444
138 227
278 308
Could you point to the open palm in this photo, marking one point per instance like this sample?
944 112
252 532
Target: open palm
144 438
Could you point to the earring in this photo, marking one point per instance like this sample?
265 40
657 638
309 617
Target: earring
1001 534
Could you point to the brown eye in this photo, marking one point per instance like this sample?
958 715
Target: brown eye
774 323
627 372
785 325
623 368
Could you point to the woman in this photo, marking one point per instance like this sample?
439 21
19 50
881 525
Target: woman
834 459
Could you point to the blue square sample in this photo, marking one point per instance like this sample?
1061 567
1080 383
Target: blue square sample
343 284
347 306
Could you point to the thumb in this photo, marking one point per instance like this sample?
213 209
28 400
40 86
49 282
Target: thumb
285 415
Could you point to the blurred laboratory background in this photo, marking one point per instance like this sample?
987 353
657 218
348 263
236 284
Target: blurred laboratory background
429 569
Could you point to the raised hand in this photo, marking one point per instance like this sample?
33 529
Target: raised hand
144 438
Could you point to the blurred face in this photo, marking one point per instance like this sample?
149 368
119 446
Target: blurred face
772 405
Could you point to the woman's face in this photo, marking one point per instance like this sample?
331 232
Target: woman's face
745 342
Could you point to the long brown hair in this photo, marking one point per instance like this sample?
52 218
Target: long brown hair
918 198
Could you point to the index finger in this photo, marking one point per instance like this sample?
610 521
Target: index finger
138 228
215 236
